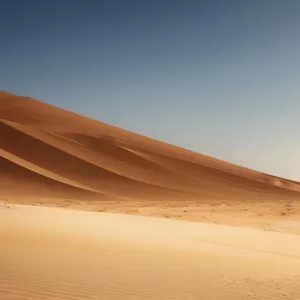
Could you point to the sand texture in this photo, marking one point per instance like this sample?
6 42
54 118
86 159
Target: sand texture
54 253
52 157
91 211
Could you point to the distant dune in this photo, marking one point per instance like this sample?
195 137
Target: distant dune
47 153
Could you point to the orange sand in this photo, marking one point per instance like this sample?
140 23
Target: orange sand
52 157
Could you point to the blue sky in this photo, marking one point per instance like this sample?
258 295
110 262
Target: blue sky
218 77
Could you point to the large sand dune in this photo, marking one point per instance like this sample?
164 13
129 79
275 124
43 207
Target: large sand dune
52 157
55 157
89 255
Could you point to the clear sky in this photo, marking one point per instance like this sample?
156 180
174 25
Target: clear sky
219 77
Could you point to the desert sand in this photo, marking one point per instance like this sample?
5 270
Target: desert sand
55 253
53 157
91 211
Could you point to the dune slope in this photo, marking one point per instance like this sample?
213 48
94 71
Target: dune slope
50 153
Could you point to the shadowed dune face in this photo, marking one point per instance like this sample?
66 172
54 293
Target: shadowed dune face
49 152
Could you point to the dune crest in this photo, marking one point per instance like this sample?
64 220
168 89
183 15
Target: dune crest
49 153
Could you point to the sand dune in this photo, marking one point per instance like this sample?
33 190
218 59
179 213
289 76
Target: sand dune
52 157
55 157
88 255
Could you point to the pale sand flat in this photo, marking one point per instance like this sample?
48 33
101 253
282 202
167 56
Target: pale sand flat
51 253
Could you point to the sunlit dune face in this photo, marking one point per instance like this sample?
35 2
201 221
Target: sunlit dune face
50 153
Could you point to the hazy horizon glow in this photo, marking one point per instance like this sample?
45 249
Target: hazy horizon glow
217 77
